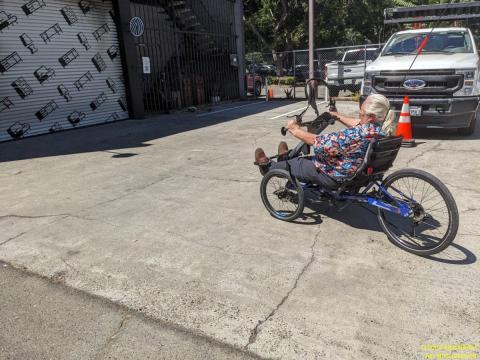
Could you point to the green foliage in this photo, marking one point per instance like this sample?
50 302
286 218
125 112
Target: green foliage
282 25
275 24
285 82
281 80
356 96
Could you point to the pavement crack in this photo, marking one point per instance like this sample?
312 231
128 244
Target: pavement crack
420 154
12 238
14 216
103 351
64 216
90 219
256 330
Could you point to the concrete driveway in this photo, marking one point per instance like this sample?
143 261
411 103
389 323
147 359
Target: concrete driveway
164 217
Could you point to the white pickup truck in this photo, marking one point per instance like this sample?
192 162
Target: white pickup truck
347 74
442 84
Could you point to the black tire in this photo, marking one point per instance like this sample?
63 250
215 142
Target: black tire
283 197
425 207
470 129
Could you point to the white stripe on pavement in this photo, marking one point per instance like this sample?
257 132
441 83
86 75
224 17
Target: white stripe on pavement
290 112
228 109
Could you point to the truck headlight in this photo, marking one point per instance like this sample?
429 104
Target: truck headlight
367 83
469 76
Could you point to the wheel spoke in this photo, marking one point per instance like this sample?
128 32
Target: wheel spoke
281 196
423 192
429 224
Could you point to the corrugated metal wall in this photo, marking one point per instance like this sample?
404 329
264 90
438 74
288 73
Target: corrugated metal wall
60 66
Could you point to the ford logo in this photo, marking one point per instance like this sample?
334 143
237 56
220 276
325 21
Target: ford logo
414 84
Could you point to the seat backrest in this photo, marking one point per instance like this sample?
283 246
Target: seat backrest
381 154
379 158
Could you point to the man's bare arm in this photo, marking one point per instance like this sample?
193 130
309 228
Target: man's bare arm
305 136
346 120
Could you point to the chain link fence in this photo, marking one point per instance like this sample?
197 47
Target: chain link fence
284 73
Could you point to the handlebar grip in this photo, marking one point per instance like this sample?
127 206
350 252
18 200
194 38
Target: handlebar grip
284 131
332 120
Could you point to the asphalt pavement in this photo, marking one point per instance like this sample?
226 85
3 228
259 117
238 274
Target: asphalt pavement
152 233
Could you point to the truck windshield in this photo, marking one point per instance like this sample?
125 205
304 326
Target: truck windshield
438 42
360 55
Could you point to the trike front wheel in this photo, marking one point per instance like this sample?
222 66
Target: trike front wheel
282 196
433 221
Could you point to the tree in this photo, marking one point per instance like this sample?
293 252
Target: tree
275 24
279 25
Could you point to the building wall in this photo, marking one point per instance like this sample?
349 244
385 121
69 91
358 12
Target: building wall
62 62
60 66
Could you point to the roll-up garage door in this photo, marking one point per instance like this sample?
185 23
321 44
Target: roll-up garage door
60 66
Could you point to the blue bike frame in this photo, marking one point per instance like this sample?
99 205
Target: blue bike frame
402 208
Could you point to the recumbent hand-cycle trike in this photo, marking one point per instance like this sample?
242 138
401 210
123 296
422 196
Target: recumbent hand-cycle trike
414 208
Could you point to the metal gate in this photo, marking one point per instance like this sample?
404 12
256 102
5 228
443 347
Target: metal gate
189 45
60 66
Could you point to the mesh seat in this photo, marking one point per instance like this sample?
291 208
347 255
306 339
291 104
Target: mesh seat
380 155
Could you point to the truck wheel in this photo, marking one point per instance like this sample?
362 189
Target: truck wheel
471 128
333 90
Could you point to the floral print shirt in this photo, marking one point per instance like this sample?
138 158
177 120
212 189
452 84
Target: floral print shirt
339 154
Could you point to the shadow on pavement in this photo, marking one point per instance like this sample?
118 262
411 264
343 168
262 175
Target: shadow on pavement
359 217
124 134
456 255
353 215
444 134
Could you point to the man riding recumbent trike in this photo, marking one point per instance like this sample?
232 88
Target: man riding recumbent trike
415 209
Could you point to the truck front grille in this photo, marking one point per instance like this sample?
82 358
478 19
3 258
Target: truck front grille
442 82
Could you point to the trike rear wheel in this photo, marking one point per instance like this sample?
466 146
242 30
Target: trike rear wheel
282 196
433 222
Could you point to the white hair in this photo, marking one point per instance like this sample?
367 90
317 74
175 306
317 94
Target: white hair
379 106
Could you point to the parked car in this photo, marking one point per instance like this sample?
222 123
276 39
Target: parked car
253 83
262 70
348 73
442 83
302 71
272 69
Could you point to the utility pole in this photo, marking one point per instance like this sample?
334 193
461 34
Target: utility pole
240 33
311 19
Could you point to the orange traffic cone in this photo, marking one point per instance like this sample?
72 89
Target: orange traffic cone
404 126
270 93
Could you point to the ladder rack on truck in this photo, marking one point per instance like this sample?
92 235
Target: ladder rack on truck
432 13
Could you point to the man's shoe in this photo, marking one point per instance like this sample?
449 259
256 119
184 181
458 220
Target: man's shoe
262 160
282 151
